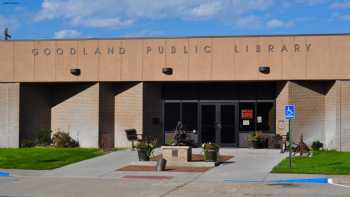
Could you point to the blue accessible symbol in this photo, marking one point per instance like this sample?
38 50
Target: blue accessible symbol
289 112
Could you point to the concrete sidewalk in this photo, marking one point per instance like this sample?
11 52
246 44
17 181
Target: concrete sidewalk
96 167
247 164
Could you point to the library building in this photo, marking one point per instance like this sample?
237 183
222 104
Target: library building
219 88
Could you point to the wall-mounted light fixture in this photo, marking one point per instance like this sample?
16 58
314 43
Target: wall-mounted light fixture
75 71
167 70
264 69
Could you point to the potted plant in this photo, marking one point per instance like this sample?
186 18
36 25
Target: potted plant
145 149
256 139
211 152
317 145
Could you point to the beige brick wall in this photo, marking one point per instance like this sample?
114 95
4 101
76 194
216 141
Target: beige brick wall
128 111
309 100
282 99
332 117
76 111
345 116
9 114
316 110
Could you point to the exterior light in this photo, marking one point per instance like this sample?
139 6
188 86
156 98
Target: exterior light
167 70
75 71
264 69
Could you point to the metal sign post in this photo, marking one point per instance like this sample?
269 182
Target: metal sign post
289 113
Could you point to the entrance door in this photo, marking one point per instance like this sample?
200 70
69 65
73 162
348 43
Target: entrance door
218 123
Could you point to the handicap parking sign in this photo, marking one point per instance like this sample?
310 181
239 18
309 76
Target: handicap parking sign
289 112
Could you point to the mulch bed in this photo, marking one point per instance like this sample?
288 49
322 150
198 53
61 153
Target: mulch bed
197 157
139 168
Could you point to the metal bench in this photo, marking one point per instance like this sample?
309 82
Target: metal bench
132 135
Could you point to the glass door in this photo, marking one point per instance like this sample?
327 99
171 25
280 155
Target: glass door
208 123
218 123
228 124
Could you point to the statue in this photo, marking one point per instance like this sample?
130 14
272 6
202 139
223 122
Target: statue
301 147
181 137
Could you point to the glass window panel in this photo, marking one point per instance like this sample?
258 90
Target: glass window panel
227 124
189 116
247 116
265 117
171 116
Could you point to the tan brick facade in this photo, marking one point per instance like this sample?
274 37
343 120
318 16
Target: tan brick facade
128 111
97 114
76 111
9 114
323 111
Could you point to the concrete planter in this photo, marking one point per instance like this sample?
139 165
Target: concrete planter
211 155
142 155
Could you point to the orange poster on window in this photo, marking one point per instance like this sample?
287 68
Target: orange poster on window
247 114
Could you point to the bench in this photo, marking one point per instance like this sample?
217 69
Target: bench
132 135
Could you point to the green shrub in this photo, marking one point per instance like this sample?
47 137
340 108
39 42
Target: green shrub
44 137
210 146
316 145
170 141
27 143
148 146
256 139
62 139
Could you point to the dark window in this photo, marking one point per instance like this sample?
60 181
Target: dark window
171 116
265 117
189 116
208 123
247 116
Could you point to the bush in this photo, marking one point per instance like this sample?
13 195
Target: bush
27 143
170 141
316 145
147 146
256 139
44 137
210 146
62 139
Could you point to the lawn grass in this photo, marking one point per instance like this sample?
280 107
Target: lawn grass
323 162
43 158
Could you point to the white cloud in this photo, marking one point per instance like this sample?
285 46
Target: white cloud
340 5
207 9
343 17
248 21
309 2
276 23
121 13
67 33
106 22
145 33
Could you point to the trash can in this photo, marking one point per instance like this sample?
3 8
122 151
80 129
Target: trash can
161 164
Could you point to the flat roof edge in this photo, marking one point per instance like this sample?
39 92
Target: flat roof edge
183 37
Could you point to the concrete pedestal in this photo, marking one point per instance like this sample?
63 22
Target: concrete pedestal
177 153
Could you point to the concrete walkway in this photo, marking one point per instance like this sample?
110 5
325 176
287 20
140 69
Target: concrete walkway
96 167
247 164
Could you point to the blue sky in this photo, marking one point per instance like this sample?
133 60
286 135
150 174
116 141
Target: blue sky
43 19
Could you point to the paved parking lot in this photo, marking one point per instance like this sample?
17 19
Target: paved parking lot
83 179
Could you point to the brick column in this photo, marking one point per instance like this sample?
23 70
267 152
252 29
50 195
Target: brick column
128 111
9 114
